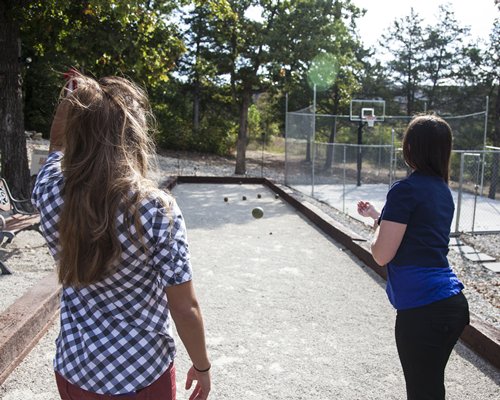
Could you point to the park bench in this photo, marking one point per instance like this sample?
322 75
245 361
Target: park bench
14 218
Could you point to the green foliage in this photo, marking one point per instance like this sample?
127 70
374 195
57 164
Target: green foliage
445 49
203 62
129 38
173 110
326 29
104 37
430 67
405 41
254 123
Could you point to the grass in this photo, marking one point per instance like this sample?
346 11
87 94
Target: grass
274 145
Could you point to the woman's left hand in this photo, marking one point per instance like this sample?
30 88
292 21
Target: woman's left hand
366 209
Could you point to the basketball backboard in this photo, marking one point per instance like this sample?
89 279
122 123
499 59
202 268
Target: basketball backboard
367 110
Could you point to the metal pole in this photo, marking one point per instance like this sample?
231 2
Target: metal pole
476 192
484 142
459 201
343 183
286 139
263 138
360 141
379 156
335 136
313 143
392 165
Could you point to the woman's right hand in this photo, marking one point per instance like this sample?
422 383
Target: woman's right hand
203 385
366 209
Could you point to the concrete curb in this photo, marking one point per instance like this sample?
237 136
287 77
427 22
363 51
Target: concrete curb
26 321
480 337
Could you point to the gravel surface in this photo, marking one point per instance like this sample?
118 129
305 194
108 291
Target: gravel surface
30 259
482 286
289 313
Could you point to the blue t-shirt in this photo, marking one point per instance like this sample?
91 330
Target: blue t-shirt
419 273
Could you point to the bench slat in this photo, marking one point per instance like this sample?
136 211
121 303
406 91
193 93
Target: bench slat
13 219
19 222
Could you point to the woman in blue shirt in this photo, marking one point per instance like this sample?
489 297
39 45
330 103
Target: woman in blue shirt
412 238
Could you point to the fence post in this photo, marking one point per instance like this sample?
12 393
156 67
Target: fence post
313 148
392 163
286 139
484 142
313 142
360 155
459 200
476 188
343 182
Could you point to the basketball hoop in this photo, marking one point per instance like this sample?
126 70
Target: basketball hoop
370 120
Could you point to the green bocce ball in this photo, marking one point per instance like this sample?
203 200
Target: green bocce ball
257 212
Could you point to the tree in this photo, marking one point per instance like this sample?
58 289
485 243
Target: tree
481 73
350 56
492 80
133 38
197 26
405 42
445 48
198 65
14 160
253 52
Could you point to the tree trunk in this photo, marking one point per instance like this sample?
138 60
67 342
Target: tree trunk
330 148
197 85
241 146
409 99
333 130
496 142
14 162
308 150
196 106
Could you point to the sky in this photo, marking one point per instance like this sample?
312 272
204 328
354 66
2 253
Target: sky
477 14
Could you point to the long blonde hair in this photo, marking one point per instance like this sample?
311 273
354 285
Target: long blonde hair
107 148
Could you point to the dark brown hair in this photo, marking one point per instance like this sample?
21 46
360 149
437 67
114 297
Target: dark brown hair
427 146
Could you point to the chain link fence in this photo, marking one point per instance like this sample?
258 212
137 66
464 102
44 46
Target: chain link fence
341 174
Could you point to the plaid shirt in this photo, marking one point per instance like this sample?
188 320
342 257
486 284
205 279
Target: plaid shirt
116 335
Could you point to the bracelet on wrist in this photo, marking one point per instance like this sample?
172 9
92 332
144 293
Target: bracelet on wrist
202 370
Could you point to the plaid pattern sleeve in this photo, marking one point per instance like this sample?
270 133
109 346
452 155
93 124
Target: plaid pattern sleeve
46 198
49 174
116 335
171 253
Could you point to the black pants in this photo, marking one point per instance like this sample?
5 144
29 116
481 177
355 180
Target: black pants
425 337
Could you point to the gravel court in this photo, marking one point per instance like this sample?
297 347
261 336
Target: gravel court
486 218
29 259
288 313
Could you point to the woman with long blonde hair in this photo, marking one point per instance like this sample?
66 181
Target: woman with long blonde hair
121 250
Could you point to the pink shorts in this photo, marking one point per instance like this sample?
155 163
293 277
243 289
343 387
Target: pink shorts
161 389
